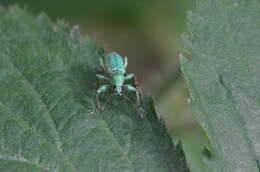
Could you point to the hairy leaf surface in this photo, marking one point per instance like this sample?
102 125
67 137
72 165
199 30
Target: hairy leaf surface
222 69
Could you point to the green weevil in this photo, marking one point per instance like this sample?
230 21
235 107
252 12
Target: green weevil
114 68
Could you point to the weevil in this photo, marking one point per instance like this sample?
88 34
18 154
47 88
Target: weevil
114 67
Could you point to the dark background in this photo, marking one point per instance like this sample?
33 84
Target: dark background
148 32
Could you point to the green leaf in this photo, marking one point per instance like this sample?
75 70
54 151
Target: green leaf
47 107
223 77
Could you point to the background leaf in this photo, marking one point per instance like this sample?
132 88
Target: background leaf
48 117
222 74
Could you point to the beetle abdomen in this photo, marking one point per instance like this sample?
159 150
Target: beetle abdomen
115 63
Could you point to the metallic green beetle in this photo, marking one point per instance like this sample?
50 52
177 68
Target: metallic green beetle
115 68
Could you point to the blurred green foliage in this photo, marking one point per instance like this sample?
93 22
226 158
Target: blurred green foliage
121 13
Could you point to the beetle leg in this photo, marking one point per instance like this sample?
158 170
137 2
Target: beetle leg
100 90
138 109
133 78
126 62
101 77
130 88
138 93
130 76
101 62
136 90
108 99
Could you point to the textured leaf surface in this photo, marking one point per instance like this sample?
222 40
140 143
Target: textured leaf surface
49 122
223 77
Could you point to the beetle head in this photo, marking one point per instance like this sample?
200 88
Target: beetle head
118 80
118 91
